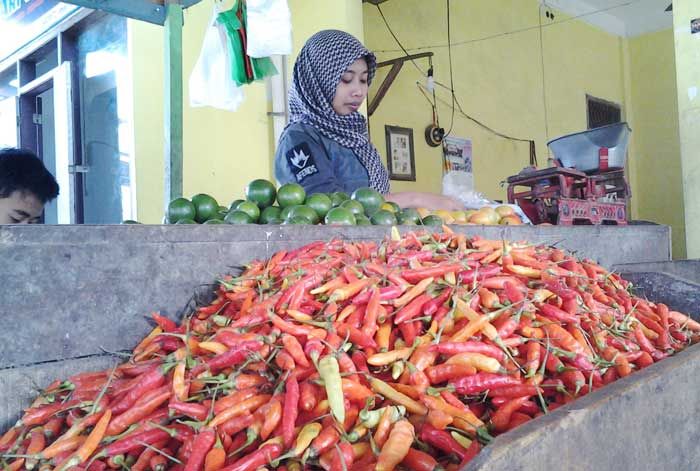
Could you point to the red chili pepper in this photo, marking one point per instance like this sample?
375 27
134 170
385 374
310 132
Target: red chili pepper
343 457
501 418
236 424
369 323
513 292
294 348
553 312
190 409
168 325
134 441
203 442
481 382
414 276
643 341
520 390
291 410
432 306
138 411
356 336
453 348
148 381
408 332
468 277
386 293
39 415
442 440
472 451
257 459
231 357
412 309
416 460
325 441
445 372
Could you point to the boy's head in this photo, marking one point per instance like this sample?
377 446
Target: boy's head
25 187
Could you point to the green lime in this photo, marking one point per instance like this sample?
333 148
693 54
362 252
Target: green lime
371 199
270 213
261 192
238 217
213 221
408 217
338 197
391 206
319 202
362 220
291 194
130 221
206 207
251 209
303 211
295 220
340 216
433 220
180 208
186 221
234 205
355 207
383 218
284 214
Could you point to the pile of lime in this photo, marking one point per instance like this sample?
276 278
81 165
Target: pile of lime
289 204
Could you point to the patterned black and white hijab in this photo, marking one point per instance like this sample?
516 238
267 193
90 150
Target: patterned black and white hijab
317 71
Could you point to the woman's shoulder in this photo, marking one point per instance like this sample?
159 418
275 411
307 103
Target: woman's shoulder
297 131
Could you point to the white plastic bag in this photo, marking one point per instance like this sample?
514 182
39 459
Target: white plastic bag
210 81
460 185
269 28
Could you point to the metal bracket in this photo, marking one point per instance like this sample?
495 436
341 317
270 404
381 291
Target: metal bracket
78 169
37 119
143 10
396 65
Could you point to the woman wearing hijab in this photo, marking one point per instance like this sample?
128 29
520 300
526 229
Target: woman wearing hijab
326 147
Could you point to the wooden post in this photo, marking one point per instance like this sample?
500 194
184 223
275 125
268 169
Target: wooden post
173 100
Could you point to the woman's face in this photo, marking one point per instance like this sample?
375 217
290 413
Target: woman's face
352 88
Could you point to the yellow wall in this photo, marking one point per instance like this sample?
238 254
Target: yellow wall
658 189
499 81
687 51
222 151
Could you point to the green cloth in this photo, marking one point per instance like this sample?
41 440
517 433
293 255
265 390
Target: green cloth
243 68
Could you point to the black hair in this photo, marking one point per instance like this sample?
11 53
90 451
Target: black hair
21 170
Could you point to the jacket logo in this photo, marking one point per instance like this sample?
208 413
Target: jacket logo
301 162
299 159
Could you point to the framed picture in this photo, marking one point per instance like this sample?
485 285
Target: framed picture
399 153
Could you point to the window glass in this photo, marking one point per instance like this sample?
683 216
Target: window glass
23 20
105 109
8 108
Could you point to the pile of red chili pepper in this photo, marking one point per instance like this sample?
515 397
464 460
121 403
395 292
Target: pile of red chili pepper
407 354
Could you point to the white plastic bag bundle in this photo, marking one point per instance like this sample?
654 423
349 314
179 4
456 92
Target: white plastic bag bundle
210 81
269 28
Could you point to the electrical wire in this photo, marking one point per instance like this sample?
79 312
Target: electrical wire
452 83
381 13
515 31
533 155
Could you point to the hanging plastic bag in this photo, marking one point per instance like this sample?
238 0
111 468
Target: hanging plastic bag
269 28
243 69
210 81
